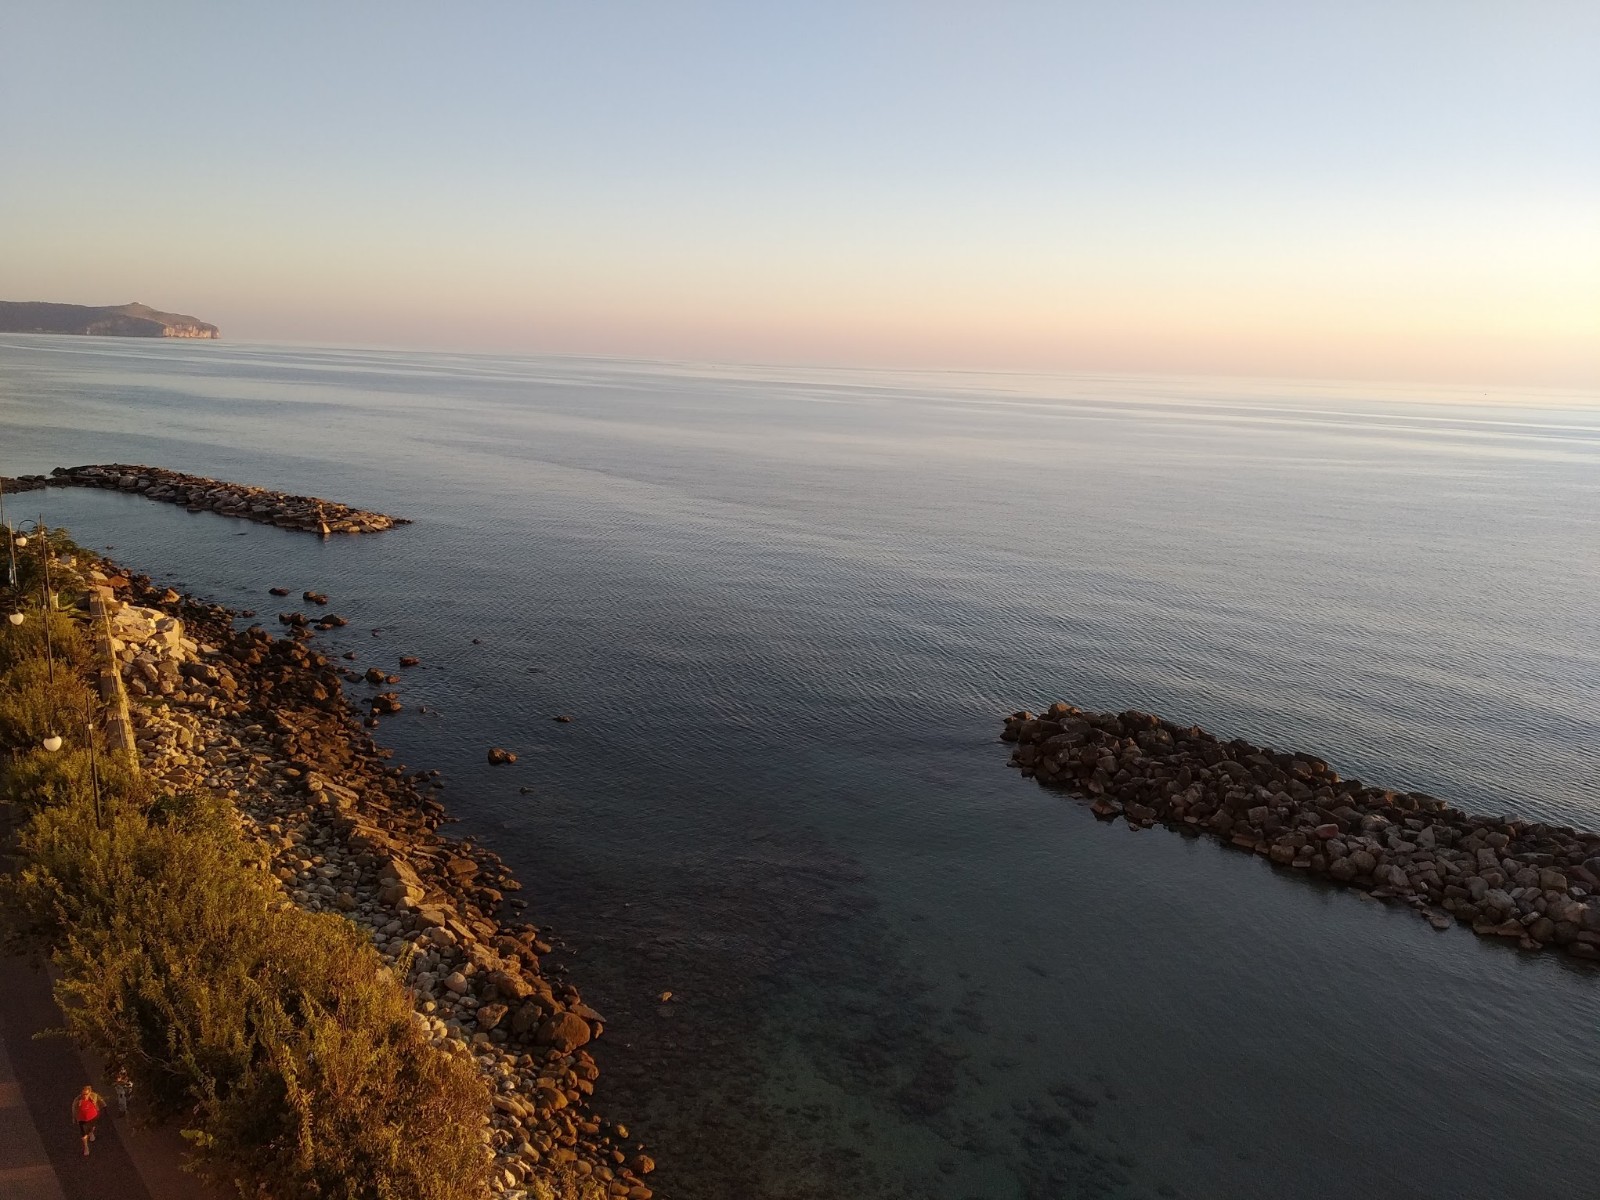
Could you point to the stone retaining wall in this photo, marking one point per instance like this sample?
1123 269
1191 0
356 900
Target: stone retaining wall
118 720
1532 883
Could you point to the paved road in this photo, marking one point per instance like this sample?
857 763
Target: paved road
25 1172
41 1157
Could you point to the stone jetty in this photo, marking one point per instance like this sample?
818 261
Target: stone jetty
198 493
264 721
1534 884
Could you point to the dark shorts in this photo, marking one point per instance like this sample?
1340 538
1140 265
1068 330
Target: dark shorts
85 1128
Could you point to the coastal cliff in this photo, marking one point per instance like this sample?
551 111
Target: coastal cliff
121 320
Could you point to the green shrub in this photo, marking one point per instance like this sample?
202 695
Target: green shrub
36 702
72 647
65 582
278 1034
37 778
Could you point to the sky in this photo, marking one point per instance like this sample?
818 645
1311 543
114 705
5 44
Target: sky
1398 189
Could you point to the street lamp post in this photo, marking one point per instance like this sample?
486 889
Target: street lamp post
94 761
52 742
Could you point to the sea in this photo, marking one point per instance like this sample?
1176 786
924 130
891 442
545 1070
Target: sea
787 609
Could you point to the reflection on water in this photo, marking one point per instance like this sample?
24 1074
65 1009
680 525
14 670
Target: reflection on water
787 608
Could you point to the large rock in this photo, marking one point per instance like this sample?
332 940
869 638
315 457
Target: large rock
527 1018
1498 900
510 984
490 1015
1395 877
564 1031
398 894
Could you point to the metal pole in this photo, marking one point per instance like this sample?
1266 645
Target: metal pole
11 547
94 764
44 536
44 585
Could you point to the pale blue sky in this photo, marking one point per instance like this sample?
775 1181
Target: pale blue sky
1407 189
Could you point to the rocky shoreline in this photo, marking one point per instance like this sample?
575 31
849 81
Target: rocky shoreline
264 722
197 493
1531 883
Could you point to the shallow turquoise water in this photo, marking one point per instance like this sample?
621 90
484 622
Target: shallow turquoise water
787 609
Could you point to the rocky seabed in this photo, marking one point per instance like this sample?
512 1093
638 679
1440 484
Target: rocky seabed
308 514
1532 884
263 721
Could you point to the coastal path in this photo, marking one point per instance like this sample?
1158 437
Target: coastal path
40 1155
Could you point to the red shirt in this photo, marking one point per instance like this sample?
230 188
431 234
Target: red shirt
85 1109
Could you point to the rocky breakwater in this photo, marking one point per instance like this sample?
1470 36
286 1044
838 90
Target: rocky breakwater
1533 884
263 721
200 494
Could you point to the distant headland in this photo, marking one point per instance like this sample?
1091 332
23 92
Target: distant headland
120 320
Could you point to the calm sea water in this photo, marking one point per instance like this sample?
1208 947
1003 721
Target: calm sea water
787 609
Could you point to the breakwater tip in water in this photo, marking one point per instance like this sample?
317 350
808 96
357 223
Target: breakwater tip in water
198 493
1532 883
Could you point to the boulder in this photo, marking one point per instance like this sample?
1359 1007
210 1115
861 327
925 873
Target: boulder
1591 915
527 1018
400 894
490 1015
564 1031
1551 880
509 984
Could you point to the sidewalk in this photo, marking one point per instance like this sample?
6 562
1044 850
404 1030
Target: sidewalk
41 1157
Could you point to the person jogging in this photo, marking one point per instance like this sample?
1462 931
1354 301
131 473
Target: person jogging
86 1111
124 1088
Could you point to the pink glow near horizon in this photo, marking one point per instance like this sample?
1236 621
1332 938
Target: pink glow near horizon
1403 192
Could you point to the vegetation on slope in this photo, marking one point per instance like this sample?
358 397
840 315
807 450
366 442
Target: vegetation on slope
109 320
278 1038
